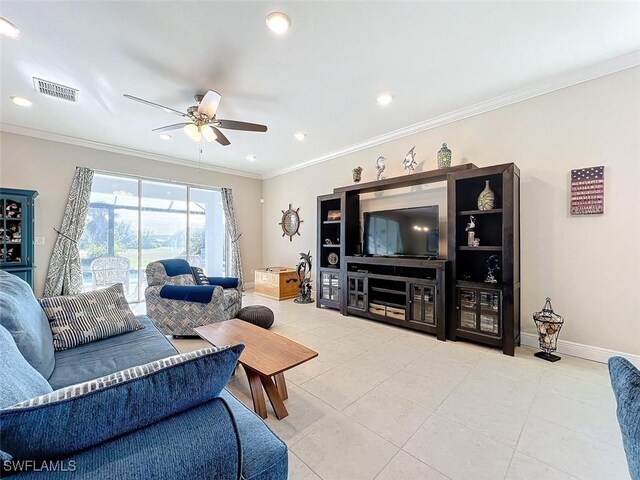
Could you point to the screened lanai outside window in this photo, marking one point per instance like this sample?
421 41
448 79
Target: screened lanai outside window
134 221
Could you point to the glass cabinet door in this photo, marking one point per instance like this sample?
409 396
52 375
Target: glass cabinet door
423 304
490 312
330 286
12 250
480 310
468 303
357 291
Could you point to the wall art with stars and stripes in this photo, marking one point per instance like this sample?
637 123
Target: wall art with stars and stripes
587 191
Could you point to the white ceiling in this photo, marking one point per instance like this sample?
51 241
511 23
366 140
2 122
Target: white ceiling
322 77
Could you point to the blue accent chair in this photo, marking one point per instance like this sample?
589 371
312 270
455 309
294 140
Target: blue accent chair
176 305
220 438
625 380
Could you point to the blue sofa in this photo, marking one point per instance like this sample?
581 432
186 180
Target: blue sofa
212 440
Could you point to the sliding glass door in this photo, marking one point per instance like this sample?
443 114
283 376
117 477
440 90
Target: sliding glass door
134 221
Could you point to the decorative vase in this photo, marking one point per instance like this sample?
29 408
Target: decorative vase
444 157
357 174
487 198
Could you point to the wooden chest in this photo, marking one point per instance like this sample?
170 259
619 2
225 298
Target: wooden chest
279 283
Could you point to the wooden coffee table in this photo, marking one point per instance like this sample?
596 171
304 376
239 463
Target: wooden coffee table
265 358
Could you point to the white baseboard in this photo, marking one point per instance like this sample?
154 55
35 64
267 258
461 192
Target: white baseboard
588 352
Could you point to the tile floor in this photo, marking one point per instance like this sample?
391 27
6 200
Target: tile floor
386 403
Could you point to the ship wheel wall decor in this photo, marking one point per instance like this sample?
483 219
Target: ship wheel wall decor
290 222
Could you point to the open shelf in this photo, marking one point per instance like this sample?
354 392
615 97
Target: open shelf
482 248
479 212
331 222
389 304
388 290
331 245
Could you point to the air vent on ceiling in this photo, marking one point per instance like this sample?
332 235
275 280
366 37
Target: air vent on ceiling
55 90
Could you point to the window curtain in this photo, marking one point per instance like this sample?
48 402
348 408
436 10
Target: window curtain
232 234
64 276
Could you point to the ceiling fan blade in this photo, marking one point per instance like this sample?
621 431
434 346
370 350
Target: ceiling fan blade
235 125
175 126
220 138
157 105
209 104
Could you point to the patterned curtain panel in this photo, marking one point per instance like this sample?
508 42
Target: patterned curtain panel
232 233
64 276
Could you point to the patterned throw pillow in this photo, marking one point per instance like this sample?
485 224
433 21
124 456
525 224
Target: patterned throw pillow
77 417
199 276
87 317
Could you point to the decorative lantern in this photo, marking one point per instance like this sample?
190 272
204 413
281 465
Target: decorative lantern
548 324
444 157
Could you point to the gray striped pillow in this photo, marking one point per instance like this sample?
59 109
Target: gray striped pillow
115 378
87 317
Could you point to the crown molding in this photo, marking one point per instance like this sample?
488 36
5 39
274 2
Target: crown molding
56 137
559 82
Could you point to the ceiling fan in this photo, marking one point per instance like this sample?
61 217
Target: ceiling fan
202 121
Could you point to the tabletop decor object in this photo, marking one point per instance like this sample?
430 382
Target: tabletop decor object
548 324
304 275
409 161
357 174
444 157
493 264
380 166
471 234
487 198
290 222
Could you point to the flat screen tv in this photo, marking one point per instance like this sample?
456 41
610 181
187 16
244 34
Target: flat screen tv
406 232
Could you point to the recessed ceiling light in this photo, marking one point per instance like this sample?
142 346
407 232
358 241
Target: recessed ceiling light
300 136
165 136
21 101
8 29
384 99
251 158
278 22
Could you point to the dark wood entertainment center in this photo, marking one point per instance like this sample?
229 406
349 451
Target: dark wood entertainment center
445 297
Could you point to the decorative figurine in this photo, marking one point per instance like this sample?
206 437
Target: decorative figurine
409 161
304 276
548 324
476 242
357 174
486 199
380 166
328 241
471 234
493 264
444 157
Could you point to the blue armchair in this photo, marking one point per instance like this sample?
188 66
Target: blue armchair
176 305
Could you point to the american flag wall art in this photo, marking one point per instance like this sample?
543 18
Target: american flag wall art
587 191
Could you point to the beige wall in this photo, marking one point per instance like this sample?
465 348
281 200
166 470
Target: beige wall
48 167
590 266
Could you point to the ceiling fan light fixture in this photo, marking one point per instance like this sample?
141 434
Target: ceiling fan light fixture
208 133
384 99
251 158
193 132
165 136
300 136
8 29
278 22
